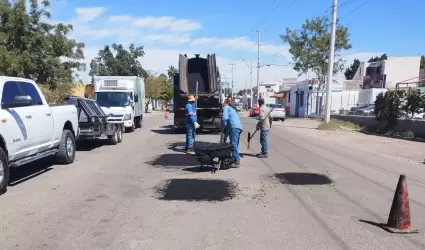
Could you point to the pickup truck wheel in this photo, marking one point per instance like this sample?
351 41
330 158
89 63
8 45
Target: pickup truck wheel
66 153
4 172
113 139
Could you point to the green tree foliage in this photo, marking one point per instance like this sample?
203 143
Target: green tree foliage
33 48
171 72
350 72
395 104
309 46
153 87
378 58
115 60
167 91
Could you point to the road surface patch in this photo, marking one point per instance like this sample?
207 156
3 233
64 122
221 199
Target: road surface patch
297 179
196 190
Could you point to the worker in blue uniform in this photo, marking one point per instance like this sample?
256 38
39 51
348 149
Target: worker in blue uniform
232 123
190 122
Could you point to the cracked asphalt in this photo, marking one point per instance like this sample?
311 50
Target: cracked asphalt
312 193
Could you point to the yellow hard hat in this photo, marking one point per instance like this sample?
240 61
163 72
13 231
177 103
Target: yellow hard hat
191 98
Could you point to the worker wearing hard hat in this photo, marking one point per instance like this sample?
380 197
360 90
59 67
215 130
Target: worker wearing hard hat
191 123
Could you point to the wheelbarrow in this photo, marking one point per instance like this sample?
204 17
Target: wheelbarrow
215 155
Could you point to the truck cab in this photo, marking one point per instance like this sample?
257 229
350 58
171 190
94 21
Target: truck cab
121 98
31 129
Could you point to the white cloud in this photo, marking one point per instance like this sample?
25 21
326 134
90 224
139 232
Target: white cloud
89 14
167 23
158 34
120 18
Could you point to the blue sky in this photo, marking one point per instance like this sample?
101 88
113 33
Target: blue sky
225 28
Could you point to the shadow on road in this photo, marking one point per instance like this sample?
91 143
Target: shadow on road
303 179
28 171
247 154
89 145
174 160
196 190
179 146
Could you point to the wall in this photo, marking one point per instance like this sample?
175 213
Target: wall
368 96
399 69
416 126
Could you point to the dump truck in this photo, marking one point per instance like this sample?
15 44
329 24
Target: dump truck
204 73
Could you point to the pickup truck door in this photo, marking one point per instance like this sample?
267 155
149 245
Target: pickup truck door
14 127
40 117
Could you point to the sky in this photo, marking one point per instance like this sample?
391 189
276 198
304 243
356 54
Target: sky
225 27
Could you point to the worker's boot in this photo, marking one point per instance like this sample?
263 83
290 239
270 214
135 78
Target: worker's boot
263 155
235 164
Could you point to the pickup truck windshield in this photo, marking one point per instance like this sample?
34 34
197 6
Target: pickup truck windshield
113 99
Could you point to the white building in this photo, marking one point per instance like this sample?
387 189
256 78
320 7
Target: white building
267 91
387 73
304 102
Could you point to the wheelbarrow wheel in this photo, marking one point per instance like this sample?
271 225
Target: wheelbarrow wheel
225 163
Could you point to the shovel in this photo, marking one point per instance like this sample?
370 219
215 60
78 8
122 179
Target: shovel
250 137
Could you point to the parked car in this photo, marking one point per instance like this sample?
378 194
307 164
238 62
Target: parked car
31 129
255 111
93 122
366 110
277 111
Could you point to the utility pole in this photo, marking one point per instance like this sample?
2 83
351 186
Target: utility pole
233 85
327 117
258 61
250 86
246 94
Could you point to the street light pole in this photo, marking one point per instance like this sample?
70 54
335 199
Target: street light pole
327 117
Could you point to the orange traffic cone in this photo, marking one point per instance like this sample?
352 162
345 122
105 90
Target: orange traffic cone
399 218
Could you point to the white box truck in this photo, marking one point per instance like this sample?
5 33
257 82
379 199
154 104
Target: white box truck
121 97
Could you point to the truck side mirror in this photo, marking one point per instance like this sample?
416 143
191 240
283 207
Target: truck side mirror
136 98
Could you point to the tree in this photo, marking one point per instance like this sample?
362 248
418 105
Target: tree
309 46
167 91
171 72
152 90
34 49
350 72
378 58
123 63
389 107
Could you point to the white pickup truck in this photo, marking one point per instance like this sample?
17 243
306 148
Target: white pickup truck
30 129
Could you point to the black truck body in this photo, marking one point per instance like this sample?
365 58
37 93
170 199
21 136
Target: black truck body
206 73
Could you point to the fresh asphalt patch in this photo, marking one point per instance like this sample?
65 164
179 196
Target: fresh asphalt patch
295 178
196 190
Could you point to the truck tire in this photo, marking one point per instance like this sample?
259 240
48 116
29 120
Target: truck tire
113 139
138 122
120 134
67 148
4 172
130 129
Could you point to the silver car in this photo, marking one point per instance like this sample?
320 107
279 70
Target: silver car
278 111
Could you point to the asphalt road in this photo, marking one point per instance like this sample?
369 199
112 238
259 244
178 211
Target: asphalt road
146 194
